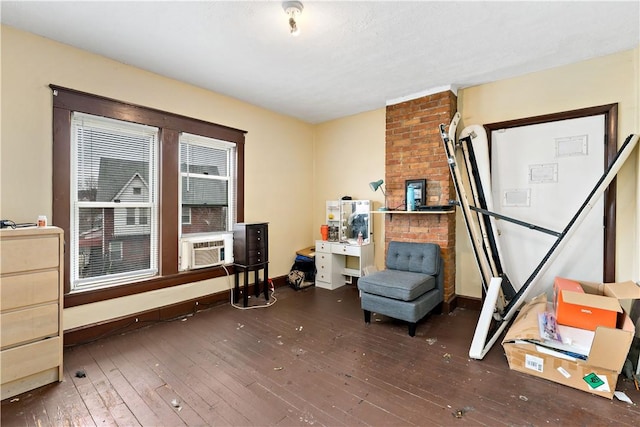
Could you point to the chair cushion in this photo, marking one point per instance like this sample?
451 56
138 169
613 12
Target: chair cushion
414 256
396 284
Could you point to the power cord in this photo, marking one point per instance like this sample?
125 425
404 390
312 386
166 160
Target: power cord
272 297
7 223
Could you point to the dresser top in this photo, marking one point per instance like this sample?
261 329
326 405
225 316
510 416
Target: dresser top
29 231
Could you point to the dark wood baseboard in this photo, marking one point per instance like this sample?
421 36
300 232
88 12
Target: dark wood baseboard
456 301
469 303
88 333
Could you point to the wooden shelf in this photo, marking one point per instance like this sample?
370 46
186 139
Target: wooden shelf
414 212
434 212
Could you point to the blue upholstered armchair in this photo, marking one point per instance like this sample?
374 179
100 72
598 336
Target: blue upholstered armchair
409 288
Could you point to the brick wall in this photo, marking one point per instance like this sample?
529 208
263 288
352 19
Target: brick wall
414 150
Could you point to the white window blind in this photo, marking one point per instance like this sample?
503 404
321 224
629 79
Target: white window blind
207 184
114 212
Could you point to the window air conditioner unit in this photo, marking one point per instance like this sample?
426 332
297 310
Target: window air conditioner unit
199 251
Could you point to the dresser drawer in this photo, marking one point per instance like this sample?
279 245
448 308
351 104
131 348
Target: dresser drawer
28 254
20 290
29 359
28 324
257 234
256 257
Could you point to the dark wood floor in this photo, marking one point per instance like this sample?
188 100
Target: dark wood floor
307 360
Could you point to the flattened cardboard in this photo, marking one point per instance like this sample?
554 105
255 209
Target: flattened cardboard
606 357
525 327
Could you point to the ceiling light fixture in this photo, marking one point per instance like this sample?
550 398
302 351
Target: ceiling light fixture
293 9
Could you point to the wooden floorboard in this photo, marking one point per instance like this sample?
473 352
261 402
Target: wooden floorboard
307 360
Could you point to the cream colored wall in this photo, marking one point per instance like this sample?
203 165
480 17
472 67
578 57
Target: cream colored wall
349 153
636 89
278 168
599 81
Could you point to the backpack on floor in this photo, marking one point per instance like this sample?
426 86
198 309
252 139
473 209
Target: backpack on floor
302 273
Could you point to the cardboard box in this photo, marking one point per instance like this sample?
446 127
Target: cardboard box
583 310
598 374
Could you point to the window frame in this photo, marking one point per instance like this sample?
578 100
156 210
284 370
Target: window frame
65 102
230 167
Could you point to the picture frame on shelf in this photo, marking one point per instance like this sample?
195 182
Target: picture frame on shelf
419 192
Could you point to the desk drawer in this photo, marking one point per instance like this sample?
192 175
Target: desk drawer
29 324
350 250
323 277
323 267
322 246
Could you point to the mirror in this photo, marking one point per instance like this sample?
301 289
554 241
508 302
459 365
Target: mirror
354 219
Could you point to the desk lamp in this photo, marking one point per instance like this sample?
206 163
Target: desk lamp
374 186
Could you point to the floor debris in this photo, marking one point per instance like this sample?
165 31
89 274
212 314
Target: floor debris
446 357
176 404
81 374
459 413
621 395
432 341
524 398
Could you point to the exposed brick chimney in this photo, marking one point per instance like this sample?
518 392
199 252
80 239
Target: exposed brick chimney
414 150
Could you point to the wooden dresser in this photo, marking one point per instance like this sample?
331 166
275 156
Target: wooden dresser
31 276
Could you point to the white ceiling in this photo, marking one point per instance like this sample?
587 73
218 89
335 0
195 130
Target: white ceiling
350 56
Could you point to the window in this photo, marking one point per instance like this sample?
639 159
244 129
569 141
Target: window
131 216
115 251
124 231
207 168
143 219
186 215
110 160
